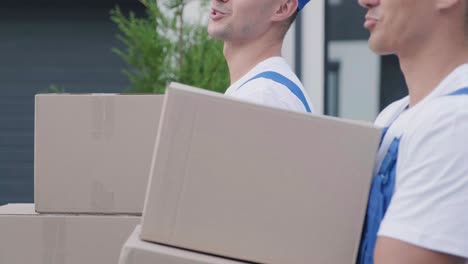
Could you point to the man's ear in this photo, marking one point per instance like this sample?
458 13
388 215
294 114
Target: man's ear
442 5
286 9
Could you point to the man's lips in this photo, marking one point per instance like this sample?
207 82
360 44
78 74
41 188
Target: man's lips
216 14
370 22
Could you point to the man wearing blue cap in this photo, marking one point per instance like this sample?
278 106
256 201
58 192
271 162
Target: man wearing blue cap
253 32
418 204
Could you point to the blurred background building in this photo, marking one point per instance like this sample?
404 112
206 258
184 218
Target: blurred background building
57 45
48 45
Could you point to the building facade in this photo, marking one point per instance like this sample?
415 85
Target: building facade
48 45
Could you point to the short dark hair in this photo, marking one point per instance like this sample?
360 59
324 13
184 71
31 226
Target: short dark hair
288 22
291 19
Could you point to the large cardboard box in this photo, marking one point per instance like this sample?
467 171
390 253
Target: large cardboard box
136 251
30 238
93 152
256 183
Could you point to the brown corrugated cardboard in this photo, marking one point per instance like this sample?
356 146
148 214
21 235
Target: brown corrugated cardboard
27 237
256 183
136 251
93 152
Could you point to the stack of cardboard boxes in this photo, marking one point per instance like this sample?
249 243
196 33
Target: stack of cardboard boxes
92 158
229 182
137 251
246 182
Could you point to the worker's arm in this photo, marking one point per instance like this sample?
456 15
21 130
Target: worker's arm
392 251
427 220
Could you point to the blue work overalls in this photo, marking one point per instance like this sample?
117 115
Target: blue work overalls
276 77
381 193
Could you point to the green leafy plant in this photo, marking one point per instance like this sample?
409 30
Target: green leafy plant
161 47
53 88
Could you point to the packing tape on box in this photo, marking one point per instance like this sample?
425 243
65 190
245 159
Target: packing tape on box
103 116
54 240
101 199
103 126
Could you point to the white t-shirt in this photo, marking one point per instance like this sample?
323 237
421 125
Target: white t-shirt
267 92
429 207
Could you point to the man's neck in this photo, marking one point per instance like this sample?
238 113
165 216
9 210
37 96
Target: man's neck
242 57
424 67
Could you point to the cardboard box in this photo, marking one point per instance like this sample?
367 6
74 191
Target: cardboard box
31 238
136 251
256 183
93 152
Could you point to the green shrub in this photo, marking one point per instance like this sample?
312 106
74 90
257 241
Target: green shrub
161 47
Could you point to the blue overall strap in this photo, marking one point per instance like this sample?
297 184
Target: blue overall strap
276 77
380 196
383 186
463 91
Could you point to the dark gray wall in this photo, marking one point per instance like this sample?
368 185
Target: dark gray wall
345 22
392 82
65 43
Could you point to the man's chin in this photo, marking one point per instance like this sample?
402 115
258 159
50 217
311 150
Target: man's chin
379 47
216 34
211 31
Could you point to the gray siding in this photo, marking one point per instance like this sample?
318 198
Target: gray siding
40 46
345 21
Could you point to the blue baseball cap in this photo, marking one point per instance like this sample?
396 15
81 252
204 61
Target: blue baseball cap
302 3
